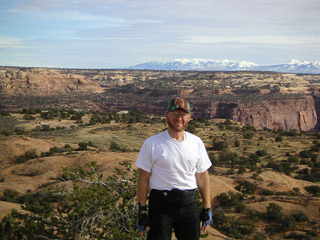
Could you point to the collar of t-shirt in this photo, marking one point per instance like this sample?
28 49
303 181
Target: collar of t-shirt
175 140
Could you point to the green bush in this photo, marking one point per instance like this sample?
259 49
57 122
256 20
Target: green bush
219 146
229 200
261 153
274 213
313 189
28 117
246 187
95 208
10 195
248 134
30 154
116 147
305 154
83 146
19 130
300 217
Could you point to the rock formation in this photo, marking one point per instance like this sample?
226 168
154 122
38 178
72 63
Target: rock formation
256 99
44 82
284 113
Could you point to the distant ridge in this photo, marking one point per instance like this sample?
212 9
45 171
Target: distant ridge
199 64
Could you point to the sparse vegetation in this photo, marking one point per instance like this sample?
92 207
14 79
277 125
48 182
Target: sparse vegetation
246 162
100 209
30 154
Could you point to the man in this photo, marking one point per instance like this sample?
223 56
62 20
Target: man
172 165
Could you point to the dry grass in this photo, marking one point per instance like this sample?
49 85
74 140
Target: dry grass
36 173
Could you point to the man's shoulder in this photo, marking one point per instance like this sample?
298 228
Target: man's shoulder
156 138
193 137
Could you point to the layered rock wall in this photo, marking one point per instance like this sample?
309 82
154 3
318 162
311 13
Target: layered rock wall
290 113
44 82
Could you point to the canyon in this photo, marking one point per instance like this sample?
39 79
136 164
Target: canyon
268 100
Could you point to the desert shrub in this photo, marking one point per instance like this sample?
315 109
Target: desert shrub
305 154
7 124
285 223
297 236
50 114
293 159
261 153
248 134
290 133
313 189
299 217
6 133
266 192
253 159
95 208
278 138
259 236
228 158
30 111
236 228
229 200
117 147
30 154
248 128
241 170
28 117
246 187
19 130
237 143
282 166
315 147
288 223
83 146
219 145
274 213
10 195
77 116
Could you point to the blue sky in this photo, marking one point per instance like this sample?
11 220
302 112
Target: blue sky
119 33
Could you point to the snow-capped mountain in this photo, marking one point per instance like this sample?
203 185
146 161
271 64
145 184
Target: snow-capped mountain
198 64
294 66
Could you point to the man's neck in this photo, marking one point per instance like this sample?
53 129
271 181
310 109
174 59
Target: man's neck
178 135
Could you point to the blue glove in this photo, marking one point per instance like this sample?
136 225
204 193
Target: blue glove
206 217
143 218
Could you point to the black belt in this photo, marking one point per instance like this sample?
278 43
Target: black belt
174 196
174 191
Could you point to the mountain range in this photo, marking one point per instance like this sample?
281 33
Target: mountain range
198 64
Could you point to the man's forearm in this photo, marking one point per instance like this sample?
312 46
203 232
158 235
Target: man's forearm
204 188
143 186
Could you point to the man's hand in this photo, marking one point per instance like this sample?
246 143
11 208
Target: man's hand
205 218
143 218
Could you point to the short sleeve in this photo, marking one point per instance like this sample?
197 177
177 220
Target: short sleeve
204 162
144 160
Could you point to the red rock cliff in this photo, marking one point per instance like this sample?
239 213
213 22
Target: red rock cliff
283 113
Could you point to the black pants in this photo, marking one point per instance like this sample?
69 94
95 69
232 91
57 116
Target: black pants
176 211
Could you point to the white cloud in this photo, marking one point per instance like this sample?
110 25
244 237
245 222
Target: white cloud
277 40
10 42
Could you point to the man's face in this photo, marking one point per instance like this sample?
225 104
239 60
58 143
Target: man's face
178 120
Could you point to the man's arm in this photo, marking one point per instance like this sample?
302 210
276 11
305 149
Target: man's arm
204 188
143 186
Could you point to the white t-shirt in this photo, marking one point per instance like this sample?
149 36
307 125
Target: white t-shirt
173 163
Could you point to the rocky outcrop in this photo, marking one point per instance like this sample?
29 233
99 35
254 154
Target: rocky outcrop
44 82
281 113
262 106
